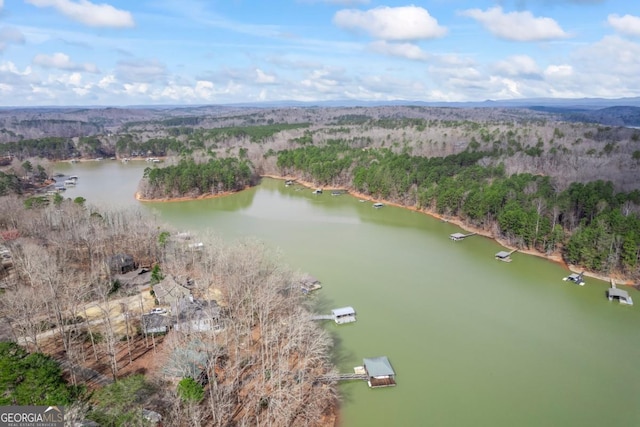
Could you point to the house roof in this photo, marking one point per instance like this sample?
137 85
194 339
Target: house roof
344 311
188 310
119 260
615 292
169 291
457 235
154 320
502 254
378 367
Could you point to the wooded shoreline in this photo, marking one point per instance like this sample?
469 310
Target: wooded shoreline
554 257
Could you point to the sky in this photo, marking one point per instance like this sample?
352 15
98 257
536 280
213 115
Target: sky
196 52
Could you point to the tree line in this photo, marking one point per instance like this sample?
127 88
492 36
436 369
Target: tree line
591 224
189 178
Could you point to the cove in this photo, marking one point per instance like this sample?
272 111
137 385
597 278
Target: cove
473 341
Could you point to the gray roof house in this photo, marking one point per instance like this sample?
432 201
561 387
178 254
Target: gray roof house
155 323
169 292
197 315
121 264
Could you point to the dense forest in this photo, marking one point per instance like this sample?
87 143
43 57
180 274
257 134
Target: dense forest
594 226
192 179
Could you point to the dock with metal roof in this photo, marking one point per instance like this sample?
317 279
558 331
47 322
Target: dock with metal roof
504 255
339 315
621 295
460 236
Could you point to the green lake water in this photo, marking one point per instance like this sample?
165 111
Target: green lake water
473 341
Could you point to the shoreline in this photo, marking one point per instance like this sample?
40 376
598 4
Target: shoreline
555 257
139 198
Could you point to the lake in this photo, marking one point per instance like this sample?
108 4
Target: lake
473 341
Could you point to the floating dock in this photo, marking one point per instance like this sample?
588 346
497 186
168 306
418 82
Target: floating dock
339 315
460 236
622 296
504 255
376 371
309 284
575 278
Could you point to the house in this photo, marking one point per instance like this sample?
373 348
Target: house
343 315
155 323
193 315
379 372
121 264
169 292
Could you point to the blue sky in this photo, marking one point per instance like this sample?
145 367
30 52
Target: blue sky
135 52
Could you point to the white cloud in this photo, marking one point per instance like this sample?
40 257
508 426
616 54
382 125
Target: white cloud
558 71
139 70
518 66
517 26
609 57
1 4
87 13
203 89
107 81
391 23
61 61
627 24
10 67
403 50
10 35
264 78
136 88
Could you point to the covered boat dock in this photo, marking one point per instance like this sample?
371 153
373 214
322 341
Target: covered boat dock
343 315
621 295
379 372
459 236
504 256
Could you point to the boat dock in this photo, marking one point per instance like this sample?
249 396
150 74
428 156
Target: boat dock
342 377
377 371
339 315
505 256
575 278
309 284
460 236
622 296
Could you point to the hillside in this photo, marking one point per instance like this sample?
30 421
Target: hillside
551 141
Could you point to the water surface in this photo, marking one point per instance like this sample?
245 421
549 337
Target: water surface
474 341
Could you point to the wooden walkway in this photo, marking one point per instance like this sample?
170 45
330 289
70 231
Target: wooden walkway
322 317
341 377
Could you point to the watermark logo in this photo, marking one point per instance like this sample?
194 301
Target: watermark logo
31 416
